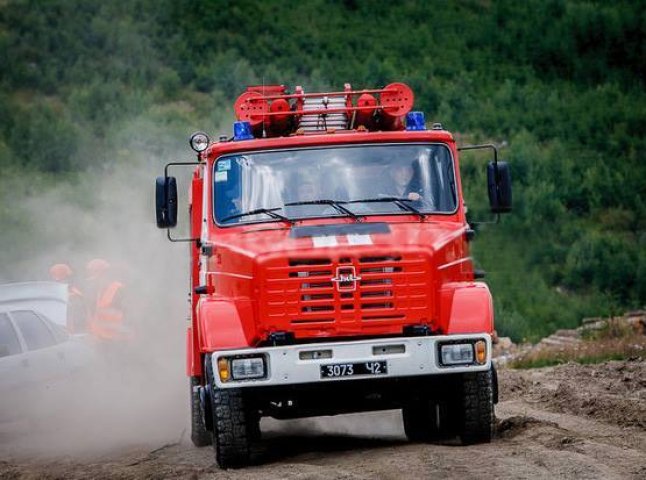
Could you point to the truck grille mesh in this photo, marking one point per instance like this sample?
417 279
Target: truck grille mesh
345 295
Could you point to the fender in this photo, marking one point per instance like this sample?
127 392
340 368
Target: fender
224 324
466 307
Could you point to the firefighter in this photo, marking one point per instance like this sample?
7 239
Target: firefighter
76 312
304 188
307 190
402 182
105 303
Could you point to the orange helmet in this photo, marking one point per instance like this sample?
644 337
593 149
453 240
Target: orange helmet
96 267
60 272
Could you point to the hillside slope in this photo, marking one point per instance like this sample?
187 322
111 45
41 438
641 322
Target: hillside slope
89 86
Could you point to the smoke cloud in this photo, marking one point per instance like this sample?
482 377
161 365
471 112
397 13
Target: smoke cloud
135 396
138 396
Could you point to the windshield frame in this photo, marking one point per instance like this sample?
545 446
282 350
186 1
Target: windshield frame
327 147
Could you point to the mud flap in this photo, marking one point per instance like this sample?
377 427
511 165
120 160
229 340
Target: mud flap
205 406
494 375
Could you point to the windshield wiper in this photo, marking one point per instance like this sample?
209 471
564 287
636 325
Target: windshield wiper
399 201
267 211
336 204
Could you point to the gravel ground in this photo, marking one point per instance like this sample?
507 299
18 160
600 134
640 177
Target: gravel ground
570 421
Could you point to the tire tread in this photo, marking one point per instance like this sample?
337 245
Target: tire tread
200 436
233 426
478 418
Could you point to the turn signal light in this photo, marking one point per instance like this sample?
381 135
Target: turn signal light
481 352
471 352
223 369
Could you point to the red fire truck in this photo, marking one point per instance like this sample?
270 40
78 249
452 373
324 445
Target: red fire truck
330 269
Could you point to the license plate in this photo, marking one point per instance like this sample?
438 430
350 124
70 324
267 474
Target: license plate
352 369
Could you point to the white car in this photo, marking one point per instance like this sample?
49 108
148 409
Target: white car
37 355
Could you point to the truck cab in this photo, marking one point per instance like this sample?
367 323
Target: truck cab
331 270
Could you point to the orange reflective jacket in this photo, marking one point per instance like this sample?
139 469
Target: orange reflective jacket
76 312
107 320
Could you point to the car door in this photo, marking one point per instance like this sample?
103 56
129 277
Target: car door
72 349
44 361
11 357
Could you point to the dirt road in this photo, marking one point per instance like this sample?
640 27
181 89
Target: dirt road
569 421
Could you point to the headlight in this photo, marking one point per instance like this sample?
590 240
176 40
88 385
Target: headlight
199 141
247 368
456 354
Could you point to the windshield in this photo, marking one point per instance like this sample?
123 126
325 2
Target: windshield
331 182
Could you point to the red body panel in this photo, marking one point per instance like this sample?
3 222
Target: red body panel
343 137
266 281
193 360
466 308
222 324
191 368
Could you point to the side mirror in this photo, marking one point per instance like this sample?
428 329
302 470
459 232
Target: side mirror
499 186
166 202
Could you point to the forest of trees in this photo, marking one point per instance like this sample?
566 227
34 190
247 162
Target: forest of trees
87 86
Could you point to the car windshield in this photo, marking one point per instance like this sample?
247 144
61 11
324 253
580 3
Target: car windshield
350 181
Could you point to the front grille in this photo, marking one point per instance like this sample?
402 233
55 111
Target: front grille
347 295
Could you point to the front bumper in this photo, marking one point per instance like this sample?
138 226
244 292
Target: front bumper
404 357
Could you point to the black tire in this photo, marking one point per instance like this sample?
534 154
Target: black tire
425 421
235 426
476 398
200 435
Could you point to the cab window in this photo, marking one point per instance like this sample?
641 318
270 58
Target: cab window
326 182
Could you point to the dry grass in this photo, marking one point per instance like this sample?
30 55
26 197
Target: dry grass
615 341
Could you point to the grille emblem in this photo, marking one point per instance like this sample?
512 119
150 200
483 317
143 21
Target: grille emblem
346 279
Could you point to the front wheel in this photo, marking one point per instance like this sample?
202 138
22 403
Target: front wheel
476 400
235 425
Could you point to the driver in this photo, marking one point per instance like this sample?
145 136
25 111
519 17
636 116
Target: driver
402 184
306 190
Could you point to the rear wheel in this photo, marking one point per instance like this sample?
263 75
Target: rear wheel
425 421
235 425
476 399
199 433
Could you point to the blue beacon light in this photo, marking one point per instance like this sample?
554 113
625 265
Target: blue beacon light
415 121
242 131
